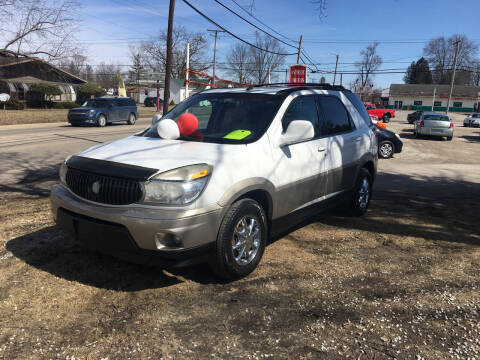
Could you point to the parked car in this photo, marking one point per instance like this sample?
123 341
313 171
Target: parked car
256 157
434 124
411 118
384 114
472 120
101 111
151 101
389 143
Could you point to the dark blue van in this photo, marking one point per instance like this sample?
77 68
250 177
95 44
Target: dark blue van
101 111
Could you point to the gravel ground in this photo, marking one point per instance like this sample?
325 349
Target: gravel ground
401 282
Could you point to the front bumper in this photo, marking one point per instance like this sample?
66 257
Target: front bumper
138 233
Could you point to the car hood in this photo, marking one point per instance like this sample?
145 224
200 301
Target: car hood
162 154
81 109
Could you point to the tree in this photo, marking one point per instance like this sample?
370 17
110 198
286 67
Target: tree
38 27
47 91
106 75
418 73
88 90
155 50
369 63
440 53
263 62
239 61
78 66
136 69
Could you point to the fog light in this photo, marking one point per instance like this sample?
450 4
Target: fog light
163 240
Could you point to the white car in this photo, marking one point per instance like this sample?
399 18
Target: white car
472 121
258 156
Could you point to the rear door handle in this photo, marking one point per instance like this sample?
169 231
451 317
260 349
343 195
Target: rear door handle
357 139
321 150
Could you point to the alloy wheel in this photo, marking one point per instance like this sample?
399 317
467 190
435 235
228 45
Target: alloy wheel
246 240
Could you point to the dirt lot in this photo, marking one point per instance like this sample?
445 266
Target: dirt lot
35 116
401 282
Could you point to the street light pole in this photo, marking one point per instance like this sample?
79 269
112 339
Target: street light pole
168 65
188 71
336 65
457 44
299 49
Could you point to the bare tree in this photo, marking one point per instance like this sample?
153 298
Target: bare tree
476 74
78 66
155 50
239 62
38 27
440 53
264 63
106 75
321 8
369 63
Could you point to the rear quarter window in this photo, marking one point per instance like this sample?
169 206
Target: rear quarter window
357 103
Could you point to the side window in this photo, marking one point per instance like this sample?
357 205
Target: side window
357 103
116 103
302 107
334 115
131 102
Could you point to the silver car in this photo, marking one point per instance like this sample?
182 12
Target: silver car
472 120
434 124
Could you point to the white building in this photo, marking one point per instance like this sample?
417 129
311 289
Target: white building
421 97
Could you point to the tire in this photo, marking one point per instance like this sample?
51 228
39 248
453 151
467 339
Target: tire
386 117
227 261
466 125
386 149
362 193
417 135
131 119
449 138
102 121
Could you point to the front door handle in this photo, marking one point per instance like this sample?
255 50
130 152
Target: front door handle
357 139
321 149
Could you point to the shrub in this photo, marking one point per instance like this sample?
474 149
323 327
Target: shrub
86 91
46 91
13 104
64 105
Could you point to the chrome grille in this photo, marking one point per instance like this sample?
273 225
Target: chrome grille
104 189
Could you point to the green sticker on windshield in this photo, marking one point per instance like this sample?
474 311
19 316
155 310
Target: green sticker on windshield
237 134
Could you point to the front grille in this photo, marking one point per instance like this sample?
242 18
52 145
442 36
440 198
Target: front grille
104 189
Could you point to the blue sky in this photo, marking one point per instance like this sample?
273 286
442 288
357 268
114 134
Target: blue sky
401 26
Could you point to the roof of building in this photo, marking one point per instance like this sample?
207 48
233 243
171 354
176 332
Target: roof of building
428 89
9 60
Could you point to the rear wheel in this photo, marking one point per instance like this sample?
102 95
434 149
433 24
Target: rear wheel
449 138
362 193
102 121
386 149
386 117
241 240
131 119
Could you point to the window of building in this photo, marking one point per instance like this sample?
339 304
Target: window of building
437 103
301 108
457 104
334 115
417 102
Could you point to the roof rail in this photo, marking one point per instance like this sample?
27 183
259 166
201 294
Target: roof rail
304 86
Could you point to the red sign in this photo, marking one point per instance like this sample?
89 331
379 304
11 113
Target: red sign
298 74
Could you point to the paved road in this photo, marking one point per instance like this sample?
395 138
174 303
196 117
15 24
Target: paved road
35 150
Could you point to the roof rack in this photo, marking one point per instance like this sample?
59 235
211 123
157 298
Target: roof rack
304 86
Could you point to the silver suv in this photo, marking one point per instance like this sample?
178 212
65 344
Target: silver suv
216 176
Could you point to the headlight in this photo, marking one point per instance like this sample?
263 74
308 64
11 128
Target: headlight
92 112
179 186
63 174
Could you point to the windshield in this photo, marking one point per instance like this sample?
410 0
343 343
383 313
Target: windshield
96 103
436 117
226 117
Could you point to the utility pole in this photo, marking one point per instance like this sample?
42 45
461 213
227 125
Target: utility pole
188 71
457 44
215 53
341 79
434 93
336 65
268 75
168 67
299 49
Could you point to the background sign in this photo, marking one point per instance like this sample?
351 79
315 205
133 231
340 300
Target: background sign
298 74
4 97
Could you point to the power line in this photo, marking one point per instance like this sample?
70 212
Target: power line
255 26
232 34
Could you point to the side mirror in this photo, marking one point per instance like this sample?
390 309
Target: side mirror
297 131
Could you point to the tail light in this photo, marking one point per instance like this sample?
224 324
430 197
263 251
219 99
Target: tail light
451 125
421 124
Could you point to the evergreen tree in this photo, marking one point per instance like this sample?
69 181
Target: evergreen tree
418 73
411 74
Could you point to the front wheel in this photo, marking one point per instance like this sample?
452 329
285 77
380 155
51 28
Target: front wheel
386 149
362 193
102 121
449 138
131 119
386 117
241 240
